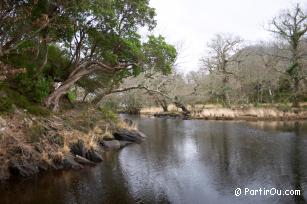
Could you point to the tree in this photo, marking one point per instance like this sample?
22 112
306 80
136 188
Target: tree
105 40
158 60
291 26
223 51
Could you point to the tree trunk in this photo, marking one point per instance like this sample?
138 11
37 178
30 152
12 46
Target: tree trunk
296 103
84 97
179 104
294 73
99 98
44 63
52 101
163 104
226 98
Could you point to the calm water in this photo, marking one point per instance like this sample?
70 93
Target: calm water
183 162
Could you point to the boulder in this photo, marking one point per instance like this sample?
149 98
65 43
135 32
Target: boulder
111 144
93 156
70 163
18 168
43 165
78 148
124 143
129 135
84 161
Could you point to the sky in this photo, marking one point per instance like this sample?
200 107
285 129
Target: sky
190 24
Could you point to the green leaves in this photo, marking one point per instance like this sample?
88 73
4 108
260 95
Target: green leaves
35 88
159 54
57 37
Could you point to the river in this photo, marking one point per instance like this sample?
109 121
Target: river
183 161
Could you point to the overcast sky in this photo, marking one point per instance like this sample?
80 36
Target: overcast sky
193 23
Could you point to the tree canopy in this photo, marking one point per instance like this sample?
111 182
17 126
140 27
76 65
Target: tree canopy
94 41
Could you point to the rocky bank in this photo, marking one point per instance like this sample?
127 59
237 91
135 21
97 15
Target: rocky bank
31 144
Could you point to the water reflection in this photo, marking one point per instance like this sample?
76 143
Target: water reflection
184 162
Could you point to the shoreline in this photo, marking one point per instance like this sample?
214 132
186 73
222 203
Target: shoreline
33 144
218 113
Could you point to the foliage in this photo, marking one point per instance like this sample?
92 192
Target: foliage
160 55
72 95
10 97
35 88
93 43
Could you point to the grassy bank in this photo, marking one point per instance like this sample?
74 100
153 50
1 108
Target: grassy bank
217 112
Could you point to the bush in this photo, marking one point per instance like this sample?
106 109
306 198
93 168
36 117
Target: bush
8 97
35 88
72 95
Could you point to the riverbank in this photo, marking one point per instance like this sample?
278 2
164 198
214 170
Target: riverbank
73 139
235 113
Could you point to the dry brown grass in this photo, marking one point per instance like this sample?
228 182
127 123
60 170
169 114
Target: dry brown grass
124 125
249 112
33 139
213 111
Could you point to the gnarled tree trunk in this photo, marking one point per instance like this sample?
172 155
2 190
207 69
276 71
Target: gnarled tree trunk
163 104
53 100
179 104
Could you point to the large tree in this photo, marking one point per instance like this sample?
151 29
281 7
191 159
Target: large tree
105 40
223 51
291 26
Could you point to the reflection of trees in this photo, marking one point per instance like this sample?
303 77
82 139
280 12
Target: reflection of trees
297 149
297 165
278 126
239 156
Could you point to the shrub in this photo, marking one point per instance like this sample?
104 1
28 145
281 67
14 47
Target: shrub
8 97
72 95
35 88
